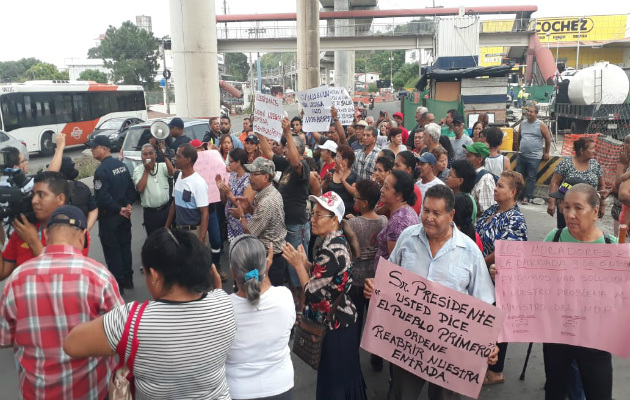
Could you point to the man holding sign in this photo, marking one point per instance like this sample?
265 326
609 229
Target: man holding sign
435 250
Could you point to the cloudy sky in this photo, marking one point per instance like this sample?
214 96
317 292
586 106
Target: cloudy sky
58 31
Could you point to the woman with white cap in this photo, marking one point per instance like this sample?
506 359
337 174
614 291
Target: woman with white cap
339 375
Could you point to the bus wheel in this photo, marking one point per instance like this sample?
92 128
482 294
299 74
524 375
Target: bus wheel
47 145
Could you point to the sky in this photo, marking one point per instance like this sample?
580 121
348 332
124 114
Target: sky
62 30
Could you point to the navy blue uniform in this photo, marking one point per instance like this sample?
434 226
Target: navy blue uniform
114 189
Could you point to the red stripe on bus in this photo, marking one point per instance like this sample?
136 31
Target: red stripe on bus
76 132
102 88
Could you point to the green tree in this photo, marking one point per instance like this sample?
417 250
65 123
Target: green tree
44 71
93 75
13 71
237 66
130 52
378 61
272 60
404 74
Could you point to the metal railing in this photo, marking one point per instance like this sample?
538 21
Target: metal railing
332 28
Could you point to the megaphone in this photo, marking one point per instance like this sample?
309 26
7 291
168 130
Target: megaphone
160 130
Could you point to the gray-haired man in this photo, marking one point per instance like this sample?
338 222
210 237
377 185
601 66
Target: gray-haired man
267 222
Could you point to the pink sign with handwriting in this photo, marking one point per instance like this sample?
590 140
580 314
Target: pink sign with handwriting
569 293
432 331
209 164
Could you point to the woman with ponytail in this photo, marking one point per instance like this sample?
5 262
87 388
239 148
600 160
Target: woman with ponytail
259 363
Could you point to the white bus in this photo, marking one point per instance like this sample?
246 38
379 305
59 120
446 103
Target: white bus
35 111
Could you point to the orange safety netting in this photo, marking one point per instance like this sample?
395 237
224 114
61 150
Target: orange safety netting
607 152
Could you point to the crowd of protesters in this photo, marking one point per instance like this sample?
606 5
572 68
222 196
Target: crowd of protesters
306 220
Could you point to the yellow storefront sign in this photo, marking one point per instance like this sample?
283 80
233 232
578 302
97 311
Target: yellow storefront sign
569 29
489 56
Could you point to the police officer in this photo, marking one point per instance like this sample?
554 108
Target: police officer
115 193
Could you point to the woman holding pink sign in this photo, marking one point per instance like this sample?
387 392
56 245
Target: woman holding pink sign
581 209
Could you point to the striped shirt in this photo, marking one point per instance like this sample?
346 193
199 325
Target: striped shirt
182 349
42 301
267 222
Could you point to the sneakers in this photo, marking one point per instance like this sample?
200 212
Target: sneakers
222 274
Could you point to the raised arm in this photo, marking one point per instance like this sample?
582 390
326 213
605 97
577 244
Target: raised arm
293 156
55 163
265 149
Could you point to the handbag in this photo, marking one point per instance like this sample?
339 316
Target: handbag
121 386
309 337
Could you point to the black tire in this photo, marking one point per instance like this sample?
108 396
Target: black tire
47 146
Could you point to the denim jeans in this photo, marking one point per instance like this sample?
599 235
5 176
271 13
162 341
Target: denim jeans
298 235
528 167
214 235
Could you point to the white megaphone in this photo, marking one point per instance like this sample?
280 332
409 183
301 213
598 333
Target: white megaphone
160 130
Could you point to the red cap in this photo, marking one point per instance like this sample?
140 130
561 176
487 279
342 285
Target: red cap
398 114
196 143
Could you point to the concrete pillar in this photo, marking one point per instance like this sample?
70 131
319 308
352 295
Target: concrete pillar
307 44
344 60
195 64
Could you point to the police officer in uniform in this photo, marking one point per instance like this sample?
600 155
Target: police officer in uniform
115 193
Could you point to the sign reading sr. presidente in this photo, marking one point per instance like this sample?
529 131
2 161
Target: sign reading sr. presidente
434 332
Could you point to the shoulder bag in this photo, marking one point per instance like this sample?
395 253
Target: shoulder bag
309 336
121 386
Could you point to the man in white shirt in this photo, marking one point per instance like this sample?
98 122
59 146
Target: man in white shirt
460 138
426 165
434 250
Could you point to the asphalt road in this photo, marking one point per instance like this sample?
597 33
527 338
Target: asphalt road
539 224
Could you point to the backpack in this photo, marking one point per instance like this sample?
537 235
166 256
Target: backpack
481 173
556 237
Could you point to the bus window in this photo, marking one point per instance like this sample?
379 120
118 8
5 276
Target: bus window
63 108
80 107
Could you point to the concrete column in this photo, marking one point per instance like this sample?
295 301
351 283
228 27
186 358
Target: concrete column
344 60
195 64
307 44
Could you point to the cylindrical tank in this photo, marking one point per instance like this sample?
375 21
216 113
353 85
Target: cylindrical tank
587 87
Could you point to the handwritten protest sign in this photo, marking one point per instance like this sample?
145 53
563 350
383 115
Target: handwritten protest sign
432 331
268 114
343 103
209 164
570 293
316 104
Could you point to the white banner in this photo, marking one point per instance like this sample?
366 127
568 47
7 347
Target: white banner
268 115
343 103
316 104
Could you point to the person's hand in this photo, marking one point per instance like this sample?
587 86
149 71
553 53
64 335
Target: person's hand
25 229
244 203
236 212
148 166
348 216
551 209
328 177
368 288
333 112
494 356
217 279
604 193
60 140
295 257
624 157
545 156
286 125
493 271
124 212
223 188
162 147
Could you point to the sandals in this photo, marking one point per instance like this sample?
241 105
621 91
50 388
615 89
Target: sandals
488 380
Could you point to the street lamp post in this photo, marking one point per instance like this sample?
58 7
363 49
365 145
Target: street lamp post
391 74
577 55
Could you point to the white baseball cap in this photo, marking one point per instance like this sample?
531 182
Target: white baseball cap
328 145
331 202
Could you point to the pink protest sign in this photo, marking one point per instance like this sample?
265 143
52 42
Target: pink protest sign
570 293
432 331
209 164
